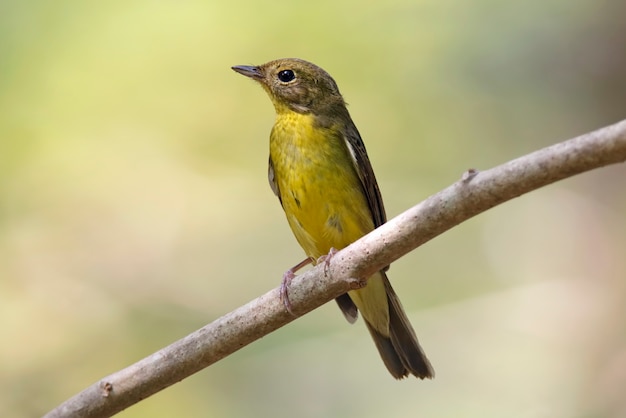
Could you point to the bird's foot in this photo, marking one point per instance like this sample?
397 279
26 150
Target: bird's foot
326 259
286 282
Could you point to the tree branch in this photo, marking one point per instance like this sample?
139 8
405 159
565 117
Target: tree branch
474 193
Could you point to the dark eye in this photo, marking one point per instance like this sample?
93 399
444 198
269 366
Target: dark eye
286 76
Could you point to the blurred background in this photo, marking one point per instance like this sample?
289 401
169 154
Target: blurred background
134 204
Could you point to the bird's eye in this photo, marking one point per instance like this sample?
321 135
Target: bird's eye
286 76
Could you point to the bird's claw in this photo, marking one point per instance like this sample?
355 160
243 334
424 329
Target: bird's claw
284 290
326 259
286 282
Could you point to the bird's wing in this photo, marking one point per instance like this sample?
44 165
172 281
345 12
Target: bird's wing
272 179
364 169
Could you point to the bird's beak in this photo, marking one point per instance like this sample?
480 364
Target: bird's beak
249 71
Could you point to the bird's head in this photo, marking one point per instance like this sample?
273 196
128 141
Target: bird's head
295 84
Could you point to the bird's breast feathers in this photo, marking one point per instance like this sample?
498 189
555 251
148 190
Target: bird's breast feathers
317 183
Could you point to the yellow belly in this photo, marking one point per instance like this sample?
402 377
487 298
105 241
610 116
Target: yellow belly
324 201
320 190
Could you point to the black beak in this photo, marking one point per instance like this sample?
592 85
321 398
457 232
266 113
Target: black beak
249 71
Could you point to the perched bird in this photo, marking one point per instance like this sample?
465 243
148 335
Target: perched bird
321 173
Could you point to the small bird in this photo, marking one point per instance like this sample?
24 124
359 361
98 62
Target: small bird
320 171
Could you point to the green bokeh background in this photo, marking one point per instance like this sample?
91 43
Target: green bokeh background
134 205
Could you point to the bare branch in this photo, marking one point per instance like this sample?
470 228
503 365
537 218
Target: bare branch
473 194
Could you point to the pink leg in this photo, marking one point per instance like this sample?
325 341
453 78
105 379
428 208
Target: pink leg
287 277
326 258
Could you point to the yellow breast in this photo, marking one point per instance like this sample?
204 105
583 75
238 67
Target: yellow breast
320 190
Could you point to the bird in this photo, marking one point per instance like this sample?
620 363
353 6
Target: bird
320 171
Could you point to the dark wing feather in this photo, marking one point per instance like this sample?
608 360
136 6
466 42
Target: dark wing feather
364 169
366 174
272 179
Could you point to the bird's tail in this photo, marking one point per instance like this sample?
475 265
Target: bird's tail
400 351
